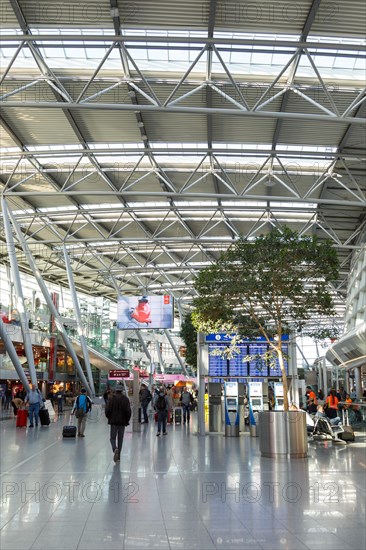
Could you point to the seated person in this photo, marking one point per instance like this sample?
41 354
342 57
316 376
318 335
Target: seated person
321 414
347 400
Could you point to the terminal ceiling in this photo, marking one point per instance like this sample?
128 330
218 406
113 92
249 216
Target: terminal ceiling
146 136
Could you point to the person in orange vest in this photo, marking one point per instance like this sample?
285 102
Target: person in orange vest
311 401
331 404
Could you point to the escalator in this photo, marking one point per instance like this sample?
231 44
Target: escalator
99 356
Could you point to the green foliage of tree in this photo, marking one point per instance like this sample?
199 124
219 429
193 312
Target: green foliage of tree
268 286
188 333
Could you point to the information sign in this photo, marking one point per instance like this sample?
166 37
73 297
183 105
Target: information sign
118 374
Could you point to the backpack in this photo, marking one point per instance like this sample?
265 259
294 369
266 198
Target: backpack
161 403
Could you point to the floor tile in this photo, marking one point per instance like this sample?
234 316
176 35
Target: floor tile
173 505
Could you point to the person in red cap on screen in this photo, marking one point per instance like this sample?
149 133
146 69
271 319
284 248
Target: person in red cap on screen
142 311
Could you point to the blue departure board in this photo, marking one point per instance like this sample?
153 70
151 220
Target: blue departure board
276 371
217 365
257 365
220 367
237 364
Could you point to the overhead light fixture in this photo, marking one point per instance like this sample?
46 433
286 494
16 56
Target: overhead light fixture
131 93
269 182
140 124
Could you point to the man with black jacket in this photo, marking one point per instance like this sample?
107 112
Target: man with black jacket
118 412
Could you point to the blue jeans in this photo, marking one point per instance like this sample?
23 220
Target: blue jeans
144 406
162 416
186 412
33 410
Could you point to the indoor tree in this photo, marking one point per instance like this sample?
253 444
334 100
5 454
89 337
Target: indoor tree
188 333
269 286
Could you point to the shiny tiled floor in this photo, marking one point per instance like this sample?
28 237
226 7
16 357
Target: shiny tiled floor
180 492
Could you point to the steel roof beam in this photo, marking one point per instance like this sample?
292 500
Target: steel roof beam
180 109
291 44
183 151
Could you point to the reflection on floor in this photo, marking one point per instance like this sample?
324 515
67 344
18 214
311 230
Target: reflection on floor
180 492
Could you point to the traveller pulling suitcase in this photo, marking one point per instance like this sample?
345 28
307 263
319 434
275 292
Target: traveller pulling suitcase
44 417
69 430
22 416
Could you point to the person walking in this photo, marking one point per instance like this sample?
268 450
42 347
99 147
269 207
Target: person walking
186 400
7 398
34 399
118 412
145 398
81 407
60 400
161 406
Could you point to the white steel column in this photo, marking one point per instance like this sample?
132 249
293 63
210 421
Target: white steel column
202 369
47 297
158 351
79 323
24 321
136 401
146 351
167 334
325 376
358 382
292 362
9 346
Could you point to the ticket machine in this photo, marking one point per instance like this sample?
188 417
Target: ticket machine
231 396
256 396
214 407
278 396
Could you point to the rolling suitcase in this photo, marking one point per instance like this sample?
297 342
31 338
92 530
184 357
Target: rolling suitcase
348 434
69 430
22 416
44 417
178 415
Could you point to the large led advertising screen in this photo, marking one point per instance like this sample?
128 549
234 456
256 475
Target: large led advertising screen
136 312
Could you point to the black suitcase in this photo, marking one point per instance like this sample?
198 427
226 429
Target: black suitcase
178 415
70 430
348 434
44 417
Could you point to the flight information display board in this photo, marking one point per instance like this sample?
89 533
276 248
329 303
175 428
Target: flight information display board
276 370
217 365
257 365
237 364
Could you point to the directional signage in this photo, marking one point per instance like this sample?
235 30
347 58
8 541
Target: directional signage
118 374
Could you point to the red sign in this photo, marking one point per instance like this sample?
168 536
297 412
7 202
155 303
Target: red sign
118 374
166 299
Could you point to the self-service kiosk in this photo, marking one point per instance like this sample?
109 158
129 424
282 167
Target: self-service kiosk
256 396
231 396
278 395
214 407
